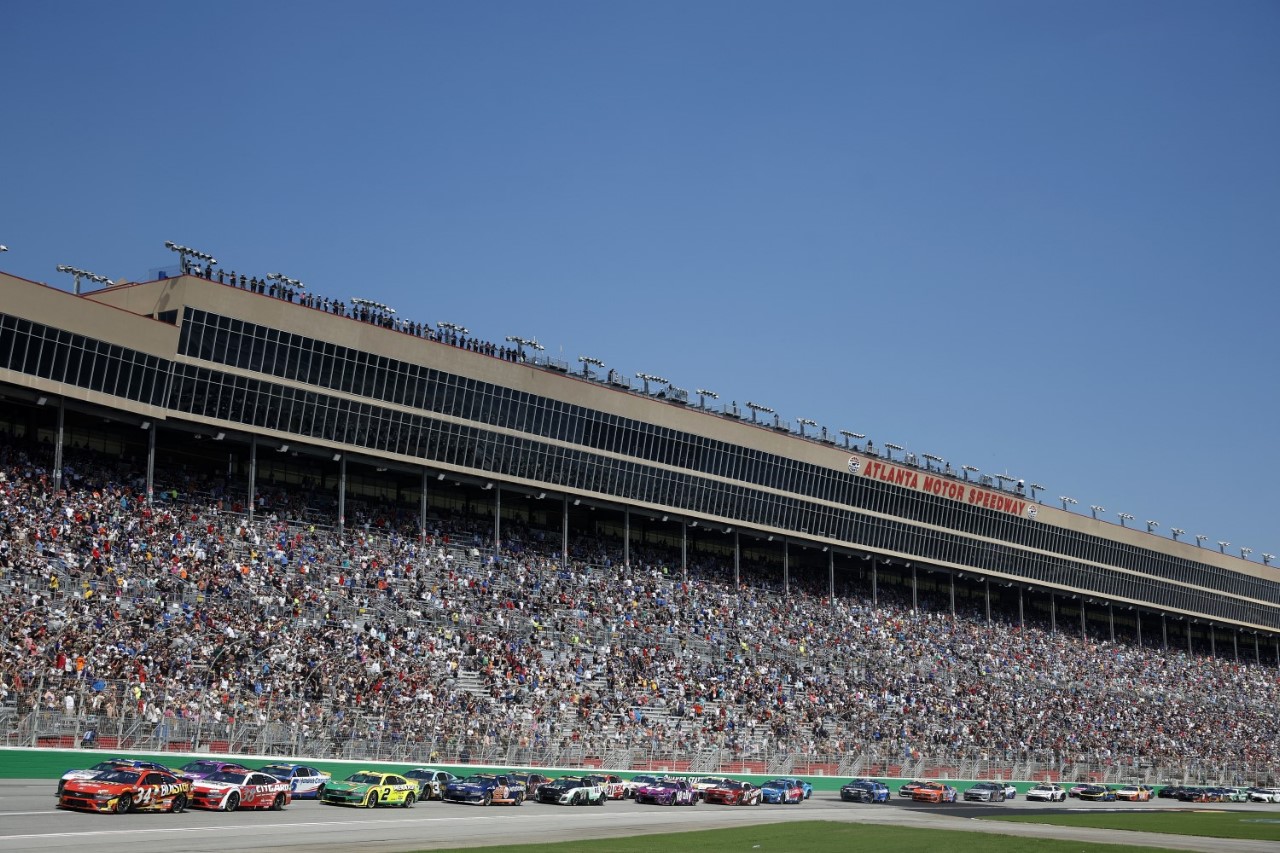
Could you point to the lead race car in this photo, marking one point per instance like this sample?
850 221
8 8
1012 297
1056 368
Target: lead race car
106 766
228 790
125 790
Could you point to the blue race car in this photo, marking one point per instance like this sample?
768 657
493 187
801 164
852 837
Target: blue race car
782 791
305 782
480 789
864 791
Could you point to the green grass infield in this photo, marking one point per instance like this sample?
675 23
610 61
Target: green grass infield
1259 825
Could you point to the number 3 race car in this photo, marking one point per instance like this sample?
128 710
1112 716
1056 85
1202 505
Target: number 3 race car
126 790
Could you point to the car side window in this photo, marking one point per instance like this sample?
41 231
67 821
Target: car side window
153 779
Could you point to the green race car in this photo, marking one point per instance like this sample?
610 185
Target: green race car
370 788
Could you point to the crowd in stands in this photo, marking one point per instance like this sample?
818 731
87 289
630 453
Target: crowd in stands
187 612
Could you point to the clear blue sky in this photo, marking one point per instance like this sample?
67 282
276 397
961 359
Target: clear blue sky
1040 238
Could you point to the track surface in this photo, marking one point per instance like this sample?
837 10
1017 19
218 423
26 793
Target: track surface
29 821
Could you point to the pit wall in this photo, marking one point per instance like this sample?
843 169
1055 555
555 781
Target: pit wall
29 763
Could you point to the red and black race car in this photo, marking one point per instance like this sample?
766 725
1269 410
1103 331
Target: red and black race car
127 789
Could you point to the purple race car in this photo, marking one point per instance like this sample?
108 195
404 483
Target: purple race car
667 792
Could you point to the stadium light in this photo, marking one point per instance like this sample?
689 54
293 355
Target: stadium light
1066 500
587 362
368 303
1036 487
1267 558
892 447
803 423
454 327
1200 537
185 252
1245 552
1095 509
703 394
1152 525
4 248
850 436
79 274
1005 478
969 469
1222 546
930 458
1125 516
756 407
521 343
646 378
1175 532
297 285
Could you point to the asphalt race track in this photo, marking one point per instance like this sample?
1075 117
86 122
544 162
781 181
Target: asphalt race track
29 821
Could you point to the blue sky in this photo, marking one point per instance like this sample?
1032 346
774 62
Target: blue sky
1040 238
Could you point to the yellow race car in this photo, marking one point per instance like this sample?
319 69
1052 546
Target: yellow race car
371 788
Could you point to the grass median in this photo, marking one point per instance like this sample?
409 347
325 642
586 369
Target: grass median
1255 825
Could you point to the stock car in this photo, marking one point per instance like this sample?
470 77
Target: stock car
935 792
782 791
706 783
430 781
1133 793
1264 795
986 792
1010 791
371 788
864 791
305 781
908 788
637 782
1169 792
1097 793
1047 793
228 790
667 792
203 767
481 787
731 792
615 787
109 764
1074 790
532 783
573 791
127 789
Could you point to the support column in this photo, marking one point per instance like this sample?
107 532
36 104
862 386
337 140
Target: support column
342 493
1213 643
497 521
684 549
253 474
1084 633
875 591
1111 620
57 445
1137 620
1164 633
1188 627
737 561
986 585
564 536
1257 650
1022 619
915 601
953 595
1053 614
831 575
151 464
786 566
422 510
626 536
1235 644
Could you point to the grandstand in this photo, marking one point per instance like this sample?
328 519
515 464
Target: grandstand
242 518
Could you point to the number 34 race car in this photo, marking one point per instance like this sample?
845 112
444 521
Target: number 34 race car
127 790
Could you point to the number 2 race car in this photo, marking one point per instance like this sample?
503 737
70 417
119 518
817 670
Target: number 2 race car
371 788
126 790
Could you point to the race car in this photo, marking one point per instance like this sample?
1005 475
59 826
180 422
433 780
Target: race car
1047 793
935 792
1010 791
371 788
637 782
1264 795
127 789
908 788
615 787
104 766
1133 793
667 792
782 791
1074 790
1097 793
305 781
985 792
731 792
573 791
485 789
203 767
706 783
864 791
532 782
228 790
430 781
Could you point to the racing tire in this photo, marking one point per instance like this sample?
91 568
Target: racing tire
1000 799
179 804
488 799
278 803
371 801
600 802
233 801
409 800
125 804
320 792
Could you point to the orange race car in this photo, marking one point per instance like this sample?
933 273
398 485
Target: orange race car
127 789
934 792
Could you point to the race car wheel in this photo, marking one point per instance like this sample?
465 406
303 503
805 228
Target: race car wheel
409 799
1000 799
320 792
124 804
519 799
179 804
233 801
371 801
600 802
278 803
488 798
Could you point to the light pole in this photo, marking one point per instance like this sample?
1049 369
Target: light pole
185 252
930 458
646 378
79 274
703 394
756 407
969 469
1200 537
1125 516
849 437
1267 558
285 281
805 422
1222 546
587 363
453 327
1152 525
1095 509
1245 552
1036 487
521 343
1175 532
1067 500
892 447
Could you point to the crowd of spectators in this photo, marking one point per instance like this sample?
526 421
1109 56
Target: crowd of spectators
186 615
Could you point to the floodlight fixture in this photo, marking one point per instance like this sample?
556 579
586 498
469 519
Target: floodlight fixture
588 362
969 469
1222 546
805 422
703 394
1267 558
757 407
1152 525
1245 552
286 281
850 436
377 306
646 378
1200 537
1036 487
453 327
1125 516
1096 508
890 446
1065 500
1175 532
79 274
185 252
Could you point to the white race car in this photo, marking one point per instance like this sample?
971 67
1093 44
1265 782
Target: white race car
573 791
1047 794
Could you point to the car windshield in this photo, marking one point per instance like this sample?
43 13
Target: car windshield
778 783
199 767
477 780
277 770
125 777
365 778
231 777
729 785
